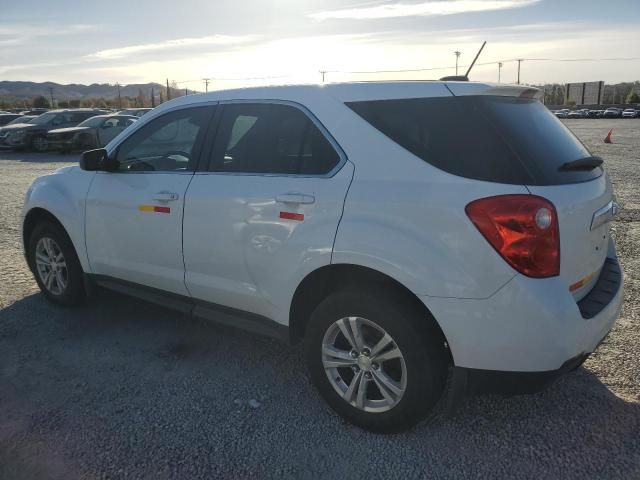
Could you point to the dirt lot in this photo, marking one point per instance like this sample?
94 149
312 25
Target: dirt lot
122 389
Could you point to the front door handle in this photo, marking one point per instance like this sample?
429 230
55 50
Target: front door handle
165 196
299 198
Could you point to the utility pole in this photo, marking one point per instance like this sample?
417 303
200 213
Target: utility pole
119 97
519 61
457 53
51 95
206 84
499 68
168 91
186 92
153 98
323 73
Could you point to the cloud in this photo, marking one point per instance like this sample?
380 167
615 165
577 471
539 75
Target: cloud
422 9
221 40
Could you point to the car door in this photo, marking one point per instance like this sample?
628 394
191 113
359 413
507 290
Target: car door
134 215
265 212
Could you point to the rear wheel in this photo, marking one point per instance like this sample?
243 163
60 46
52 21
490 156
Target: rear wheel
376 360
55 264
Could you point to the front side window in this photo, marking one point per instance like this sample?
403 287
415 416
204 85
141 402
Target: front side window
167 143
271 139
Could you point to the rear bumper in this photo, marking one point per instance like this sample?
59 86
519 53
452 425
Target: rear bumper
530 325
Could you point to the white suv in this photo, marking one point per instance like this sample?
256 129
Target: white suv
421 238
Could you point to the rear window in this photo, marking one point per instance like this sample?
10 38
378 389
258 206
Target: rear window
498 139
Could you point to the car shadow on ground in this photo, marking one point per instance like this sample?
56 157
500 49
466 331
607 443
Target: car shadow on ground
120 379
35 157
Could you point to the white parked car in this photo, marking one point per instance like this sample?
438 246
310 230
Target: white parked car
419 237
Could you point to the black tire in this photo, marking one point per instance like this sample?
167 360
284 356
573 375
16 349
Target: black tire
73 293
39 144
413 331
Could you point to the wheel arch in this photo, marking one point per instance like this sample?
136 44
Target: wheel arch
329 278
34 217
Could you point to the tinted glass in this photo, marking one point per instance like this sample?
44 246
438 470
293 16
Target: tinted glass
92 122
498 139
167 143
272 139
44 118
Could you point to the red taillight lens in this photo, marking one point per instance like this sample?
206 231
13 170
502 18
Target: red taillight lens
523 229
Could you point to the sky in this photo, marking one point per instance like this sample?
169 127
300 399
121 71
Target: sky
247 42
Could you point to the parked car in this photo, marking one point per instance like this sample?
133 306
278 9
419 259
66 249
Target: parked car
630 113
562 113
413 236
577 114
595 113
20 120
5 118
613 112
92 133
136 112
33 135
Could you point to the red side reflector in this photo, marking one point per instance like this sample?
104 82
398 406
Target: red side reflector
162 209
292 216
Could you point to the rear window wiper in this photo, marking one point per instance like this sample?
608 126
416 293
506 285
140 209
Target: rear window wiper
587 163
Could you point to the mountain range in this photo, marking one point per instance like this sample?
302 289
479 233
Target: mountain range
17 90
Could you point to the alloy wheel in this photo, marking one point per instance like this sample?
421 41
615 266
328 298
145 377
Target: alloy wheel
364 364
51 266
40 144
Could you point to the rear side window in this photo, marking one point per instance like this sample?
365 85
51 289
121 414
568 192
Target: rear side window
271 139
498 139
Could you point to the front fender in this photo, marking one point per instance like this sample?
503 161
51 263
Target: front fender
62 194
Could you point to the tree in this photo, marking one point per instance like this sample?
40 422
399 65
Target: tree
140 100
41 102
633 97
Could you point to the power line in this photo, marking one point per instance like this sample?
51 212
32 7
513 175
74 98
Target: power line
498 63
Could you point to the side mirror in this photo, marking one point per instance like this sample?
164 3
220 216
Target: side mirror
98 159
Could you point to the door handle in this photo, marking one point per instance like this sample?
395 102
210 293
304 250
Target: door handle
165 196
299 198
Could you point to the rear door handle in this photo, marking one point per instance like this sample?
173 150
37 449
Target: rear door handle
165 196
299 198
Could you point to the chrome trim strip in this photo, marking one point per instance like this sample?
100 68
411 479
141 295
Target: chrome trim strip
604 214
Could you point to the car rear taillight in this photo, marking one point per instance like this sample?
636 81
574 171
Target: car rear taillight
523 229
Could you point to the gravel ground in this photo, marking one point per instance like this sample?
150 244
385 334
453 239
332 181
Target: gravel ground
123 389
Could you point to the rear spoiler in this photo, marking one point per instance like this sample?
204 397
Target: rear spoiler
500 90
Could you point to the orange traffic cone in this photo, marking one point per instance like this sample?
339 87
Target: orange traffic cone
607 139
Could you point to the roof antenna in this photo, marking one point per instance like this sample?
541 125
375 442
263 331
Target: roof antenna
465 77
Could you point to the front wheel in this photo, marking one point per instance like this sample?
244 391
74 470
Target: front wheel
39 144
55 265
377 361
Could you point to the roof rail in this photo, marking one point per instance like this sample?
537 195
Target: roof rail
455 78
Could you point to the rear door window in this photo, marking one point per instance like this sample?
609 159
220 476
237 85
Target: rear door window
271 139
498 139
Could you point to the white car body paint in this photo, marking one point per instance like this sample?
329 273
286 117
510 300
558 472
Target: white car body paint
401 217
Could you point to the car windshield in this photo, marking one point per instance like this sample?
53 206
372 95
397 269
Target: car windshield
44 118
92 122
23 119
